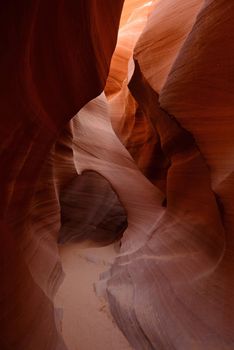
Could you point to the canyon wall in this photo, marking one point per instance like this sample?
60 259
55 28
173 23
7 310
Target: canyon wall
55 57
137 128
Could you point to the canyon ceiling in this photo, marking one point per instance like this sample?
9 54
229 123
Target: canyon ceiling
117 122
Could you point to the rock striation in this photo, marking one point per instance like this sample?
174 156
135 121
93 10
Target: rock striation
129 136
55 57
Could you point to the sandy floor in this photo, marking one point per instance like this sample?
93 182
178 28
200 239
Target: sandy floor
87 324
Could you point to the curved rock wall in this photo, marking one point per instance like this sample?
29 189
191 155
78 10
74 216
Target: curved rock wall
161 136
55 57
171 285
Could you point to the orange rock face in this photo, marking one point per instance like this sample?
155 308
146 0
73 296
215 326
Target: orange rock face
136 142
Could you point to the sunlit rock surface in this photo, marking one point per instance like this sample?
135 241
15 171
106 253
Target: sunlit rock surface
96 142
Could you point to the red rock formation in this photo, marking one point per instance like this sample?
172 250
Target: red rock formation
161 134
175 290
54 58
168 289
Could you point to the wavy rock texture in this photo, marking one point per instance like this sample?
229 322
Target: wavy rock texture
55 57
171 287
157 144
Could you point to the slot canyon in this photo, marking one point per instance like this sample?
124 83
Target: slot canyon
117 175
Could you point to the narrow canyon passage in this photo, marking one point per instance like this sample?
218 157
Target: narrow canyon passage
91 218
117 175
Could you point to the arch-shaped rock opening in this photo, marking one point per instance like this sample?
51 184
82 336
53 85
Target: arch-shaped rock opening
91 211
